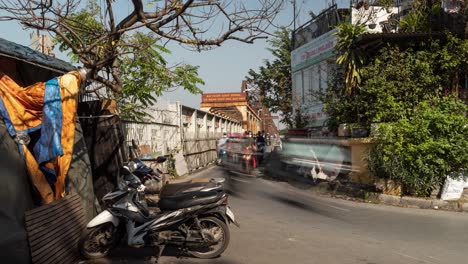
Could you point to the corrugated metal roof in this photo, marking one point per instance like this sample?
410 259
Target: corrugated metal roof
28 55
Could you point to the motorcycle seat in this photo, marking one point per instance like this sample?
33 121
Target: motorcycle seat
185 200
177 189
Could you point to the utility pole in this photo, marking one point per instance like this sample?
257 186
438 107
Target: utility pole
293 38
42 43
294 15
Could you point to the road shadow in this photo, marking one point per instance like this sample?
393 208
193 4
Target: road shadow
171 255
307 206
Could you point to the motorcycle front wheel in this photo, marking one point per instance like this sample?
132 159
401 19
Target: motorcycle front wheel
98 241
217 232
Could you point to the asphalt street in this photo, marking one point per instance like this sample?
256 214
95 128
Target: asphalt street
281 224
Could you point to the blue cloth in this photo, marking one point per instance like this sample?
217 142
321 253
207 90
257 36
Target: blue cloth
49 145
50 175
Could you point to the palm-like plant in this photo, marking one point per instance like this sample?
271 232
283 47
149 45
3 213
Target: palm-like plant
350 55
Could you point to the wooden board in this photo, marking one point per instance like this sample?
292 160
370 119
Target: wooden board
54 230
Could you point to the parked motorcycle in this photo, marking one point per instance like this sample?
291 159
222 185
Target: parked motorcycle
194 216
153 180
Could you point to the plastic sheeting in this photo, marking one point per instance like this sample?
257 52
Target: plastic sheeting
16 193
107 151
15 197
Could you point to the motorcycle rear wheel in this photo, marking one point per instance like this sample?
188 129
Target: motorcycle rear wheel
215 228
98 241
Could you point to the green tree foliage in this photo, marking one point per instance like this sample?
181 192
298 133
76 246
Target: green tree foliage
349 55
420 150
423 135
117 41
396 80
274 77
94 31
424 16
145 74
299 120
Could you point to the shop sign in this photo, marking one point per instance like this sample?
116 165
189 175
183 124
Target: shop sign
315 51
223 97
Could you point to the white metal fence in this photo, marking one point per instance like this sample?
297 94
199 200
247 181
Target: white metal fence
160 139
183 128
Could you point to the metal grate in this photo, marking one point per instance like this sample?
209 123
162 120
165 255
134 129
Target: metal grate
54 230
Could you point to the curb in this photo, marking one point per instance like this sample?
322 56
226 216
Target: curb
421 203
338 190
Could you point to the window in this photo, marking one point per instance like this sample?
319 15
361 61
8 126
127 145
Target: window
297 86
324 75
315 82
307 84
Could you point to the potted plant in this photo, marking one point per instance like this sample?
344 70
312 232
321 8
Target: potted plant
387 4
344 130
358 131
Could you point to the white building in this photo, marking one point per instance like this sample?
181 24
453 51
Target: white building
313 57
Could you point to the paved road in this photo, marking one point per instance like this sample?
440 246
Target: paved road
284 225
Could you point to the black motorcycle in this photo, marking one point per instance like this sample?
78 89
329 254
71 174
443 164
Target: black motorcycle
194 216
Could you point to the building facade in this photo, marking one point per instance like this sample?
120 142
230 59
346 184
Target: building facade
312 61
313 58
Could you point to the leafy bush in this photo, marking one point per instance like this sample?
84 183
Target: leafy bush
421 150
395 81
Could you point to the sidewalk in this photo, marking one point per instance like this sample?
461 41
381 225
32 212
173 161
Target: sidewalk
356 192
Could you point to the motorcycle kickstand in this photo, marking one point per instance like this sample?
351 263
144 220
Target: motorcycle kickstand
155 259
183 252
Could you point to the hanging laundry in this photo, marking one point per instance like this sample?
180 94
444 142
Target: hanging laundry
41 118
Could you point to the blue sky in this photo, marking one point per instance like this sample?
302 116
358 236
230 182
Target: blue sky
222 69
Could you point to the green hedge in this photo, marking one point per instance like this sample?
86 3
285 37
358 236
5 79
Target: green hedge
421 150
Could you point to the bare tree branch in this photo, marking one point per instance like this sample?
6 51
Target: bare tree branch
97 38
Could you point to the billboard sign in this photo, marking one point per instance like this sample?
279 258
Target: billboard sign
224 97
315 51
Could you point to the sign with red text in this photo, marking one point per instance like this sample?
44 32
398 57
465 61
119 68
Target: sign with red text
317 50
223 97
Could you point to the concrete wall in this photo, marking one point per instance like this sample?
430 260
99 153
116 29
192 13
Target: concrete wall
200 132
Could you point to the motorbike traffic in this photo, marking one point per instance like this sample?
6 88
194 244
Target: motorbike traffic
193 216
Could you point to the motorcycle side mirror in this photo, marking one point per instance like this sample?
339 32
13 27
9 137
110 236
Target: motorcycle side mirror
132 166
161 159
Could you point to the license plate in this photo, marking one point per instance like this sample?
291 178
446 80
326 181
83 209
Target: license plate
230 214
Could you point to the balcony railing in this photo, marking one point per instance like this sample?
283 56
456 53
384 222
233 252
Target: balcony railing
327 20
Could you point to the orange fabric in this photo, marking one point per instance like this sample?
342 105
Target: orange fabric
69 84
37 177
24 106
